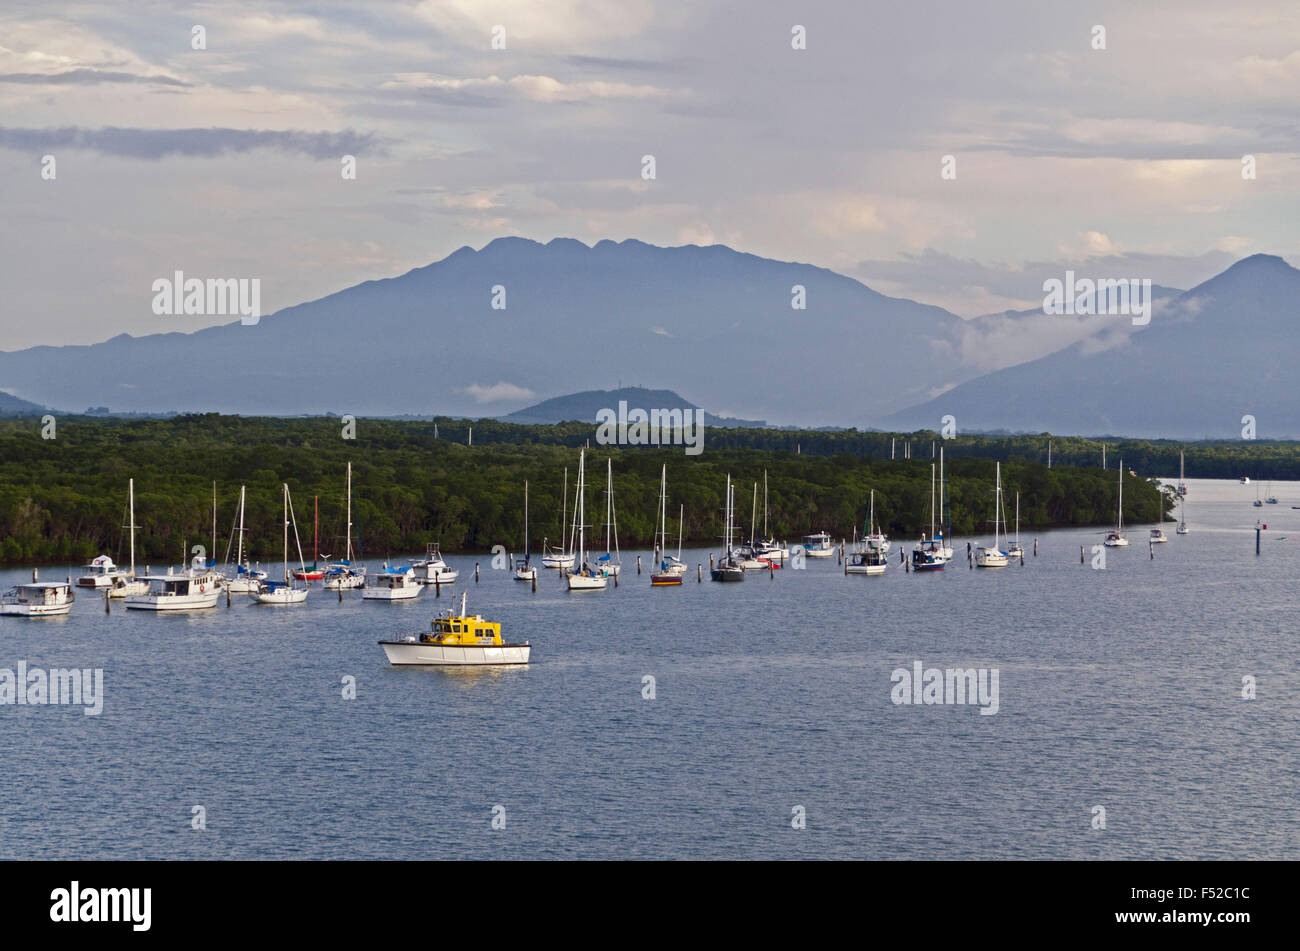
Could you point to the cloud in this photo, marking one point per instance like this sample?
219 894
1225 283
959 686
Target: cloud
499 393
80 77
492 89
192 143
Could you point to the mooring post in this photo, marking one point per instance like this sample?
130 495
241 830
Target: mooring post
638 564
699 572
476 572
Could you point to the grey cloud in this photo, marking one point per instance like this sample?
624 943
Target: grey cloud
194 143
87 77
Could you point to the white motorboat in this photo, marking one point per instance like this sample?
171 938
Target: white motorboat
101 573
586 577
37 599
866 561
993 556
192 590
394 583
456 640
1158 537
284 592
818 545
433 569
1115 537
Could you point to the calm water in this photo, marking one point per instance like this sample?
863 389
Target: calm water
1119 688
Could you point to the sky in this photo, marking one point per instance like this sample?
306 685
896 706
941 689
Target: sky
226 161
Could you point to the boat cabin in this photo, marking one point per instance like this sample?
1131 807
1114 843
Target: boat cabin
463 630
40 594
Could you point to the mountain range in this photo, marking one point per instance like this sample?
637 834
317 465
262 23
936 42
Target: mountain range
715 324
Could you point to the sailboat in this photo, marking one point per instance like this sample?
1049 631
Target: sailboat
1016 550
943 536
728 567
994 557
1182 484
126 585
524 569
610 563
246 578
768 549
585 578
668 570
1258 503
1182 518
1269 497
344 574
928 556
1115 537
870 558
746 554
313 572
283 592
559 557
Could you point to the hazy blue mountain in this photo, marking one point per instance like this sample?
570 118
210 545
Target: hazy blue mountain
585 405
707 320
1227 348
13 406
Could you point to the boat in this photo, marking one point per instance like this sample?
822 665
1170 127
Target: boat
393 583
728 566
928 555
37 599
100 573
1158 537
283 592
767 548
559 558
1245 480
1269 497
193 589
346 574
313 572
246 578
818 545
668 569
456 640
1115 538
610 563
874 538
1258 503
865 561
433 569
941 536
1182 483
585 578
1182 518
128 584
524 568
993 556
1016 550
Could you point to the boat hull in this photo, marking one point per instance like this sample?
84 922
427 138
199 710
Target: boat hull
34 610
663 581
586 582
727 574
184 602
865 570
819 552
282 596
390 594
988 558
415 654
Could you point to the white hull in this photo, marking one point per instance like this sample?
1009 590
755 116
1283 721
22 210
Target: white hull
345 583
128 588
174 602
34 610
609 570
242 586
584 583
280 596
1116 543
526 574
442 576
989 558
441 655
1183 530
865 570
100 581
1159 539
557 561
819 552
390 594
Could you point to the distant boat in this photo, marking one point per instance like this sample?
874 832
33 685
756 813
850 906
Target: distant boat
37 599
767 548
668 569
1115 538
585 578
393 583
192 590
246 578
1258 503
728 567
610 563
129 584
1017 550
283 592
1182 484
929 555
818 545
433 568
870 559
345 574
101 573
312 572
874 538
524 568
1245 480
559 557
993 557
1269 497
1158 537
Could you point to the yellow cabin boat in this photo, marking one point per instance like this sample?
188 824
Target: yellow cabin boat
455 640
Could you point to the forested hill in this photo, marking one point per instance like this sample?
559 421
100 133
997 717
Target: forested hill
64 499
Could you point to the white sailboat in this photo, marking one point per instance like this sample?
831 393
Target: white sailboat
283 592
870 559
945 543
668 570
553 557
768 548
345 574
126 585
1115 537
993 557
929 555
525 570
585 578
728 567
1016 550
246 578
874 537
610 563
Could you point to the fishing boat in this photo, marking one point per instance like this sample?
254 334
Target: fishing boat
1158 537
559 558
928 554
1016 550
1115 538
728 567
283 592
993 556
433 569
610 563
193 589
456 640
128 584
585 578
37 599
101 573
393 583
313 572
346 574
818 545
668 569
1182 483
524 568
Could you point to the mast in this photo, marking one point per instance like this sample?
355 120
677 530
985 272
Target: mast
131 503
580 510
349 525
753 515
1017 519
997 502
286 533
871 519
301 562
932 501
213 559
315 531
1119 515
765 534
681 516
239 553
526 523
564 512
